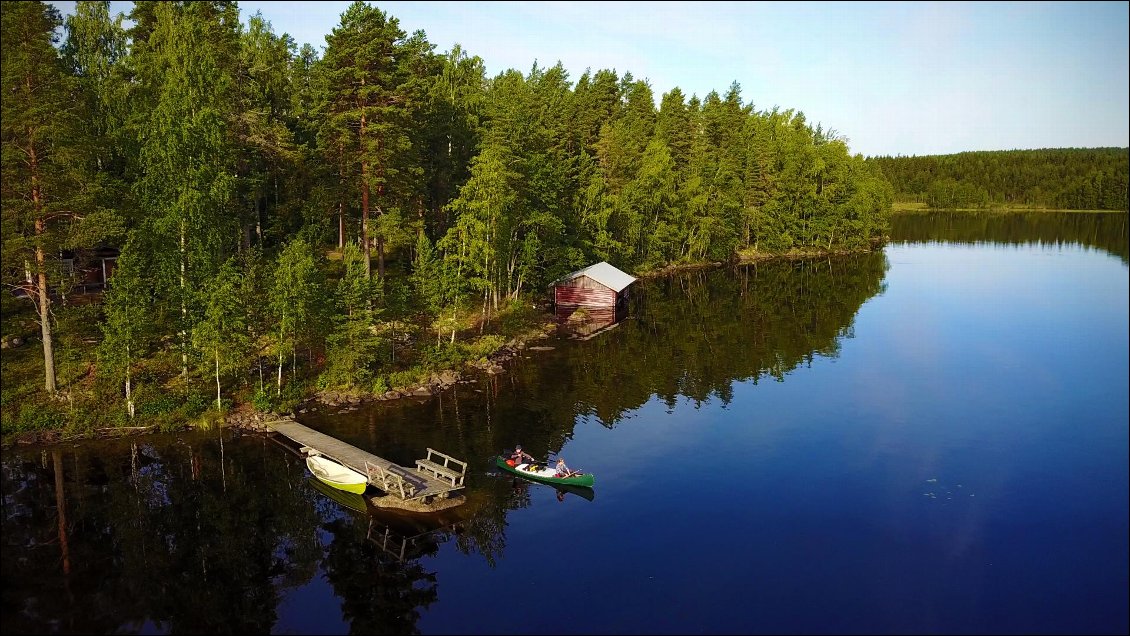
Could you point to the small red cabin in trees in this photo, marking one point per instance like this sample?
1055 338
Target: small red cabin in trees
600 285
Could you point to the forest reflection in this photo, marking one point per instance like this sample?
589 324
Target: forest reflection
195 534
1108 231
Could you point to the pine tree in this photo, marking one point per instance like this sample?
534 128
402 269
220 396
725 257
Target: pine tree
368 67
48 188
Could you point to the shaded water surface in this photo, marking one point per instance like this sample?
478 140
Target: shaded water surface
928 439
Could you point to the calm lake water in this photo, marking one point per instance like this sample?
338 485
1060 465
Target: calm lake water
932 439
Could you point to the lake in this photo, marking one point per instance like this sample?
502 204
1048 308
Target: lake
929 439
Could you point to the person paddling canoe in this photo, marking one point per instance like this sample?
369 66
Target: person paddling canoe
563 470
518 455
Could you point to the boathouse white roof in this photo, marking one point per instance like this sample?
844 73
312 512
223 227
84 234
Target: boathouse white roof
604 274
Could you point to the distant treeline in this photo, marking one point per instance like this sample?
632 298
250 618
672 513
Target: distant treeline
1060 178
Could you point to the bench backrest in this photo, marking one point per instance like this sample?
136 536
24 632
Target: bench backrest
448 461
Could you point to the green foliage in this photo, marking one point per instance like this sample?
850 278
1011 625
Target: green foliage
519 315
481 347
441 355
263 401
196 403
168 410
373 78
221 336
37 416
1063 178
152 403
291 397
380 386
49 184
351 356
430 277
409 377
94 51
352 347
296 300
183 89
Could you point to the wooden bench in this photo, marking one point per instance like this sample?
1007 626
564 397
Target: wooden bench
451 469
393 480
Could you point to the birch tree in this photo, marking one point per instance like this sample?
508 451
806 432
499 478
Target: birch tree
294 295
187 177
222 334
129 320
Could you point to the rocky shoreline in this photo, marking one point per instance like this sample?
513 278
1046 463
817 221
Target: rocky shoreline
436 383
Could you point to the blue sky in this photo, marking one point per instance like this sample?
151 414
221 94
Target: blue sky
894 78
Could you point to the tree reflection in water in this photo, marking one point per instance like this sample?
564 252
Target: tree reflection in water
161 537
1108 231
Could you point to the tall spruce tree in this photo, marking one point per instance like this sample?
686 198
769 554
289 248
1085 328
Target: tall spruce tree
451 132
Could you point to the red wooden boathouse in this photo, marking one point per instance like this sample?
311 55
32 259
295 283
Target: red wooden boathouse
599 285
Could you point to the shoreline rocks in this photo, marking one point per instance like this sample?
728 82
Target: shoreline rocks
438 381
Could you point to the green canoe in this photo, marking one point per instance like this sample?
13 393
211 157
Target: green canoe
545 474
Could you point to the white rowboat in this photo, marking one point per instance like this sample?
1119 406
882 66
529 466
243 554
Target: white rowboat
336 475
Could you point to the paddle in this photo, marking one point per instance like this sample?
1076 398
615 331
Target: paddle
570 473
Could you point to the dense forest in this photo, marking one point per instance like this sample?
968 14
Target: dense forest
1061 178
298 218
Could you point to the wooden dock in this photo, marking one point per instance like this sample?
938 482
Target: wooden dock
428 481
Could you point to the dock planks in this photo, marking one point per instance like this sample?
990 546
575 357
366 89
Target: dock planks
428 486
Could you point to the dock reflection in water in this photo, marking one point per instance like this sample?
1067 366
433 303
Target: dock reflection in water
402 536
583 323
